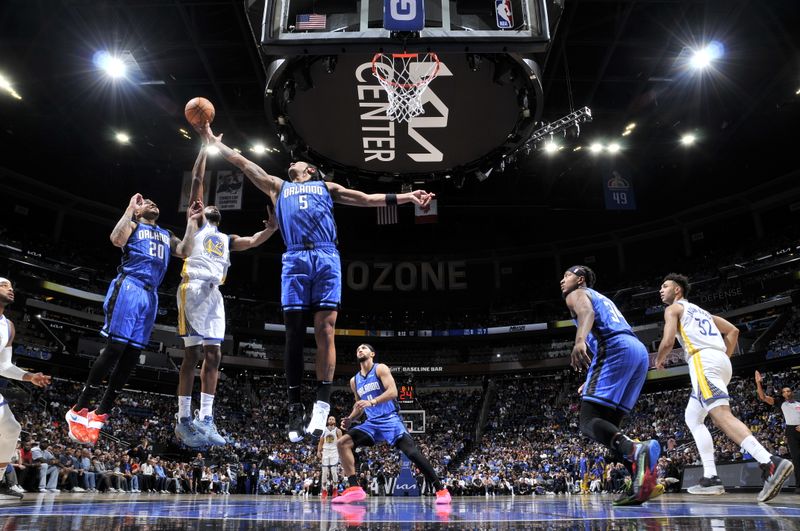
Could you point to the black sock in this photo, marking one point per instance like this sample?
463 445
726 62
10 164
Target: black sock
352 480
623 445
324 391
294 394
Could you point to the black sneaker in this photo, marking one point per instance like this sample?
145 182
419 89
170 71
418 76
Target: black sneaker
707 487
5 490
297 422
774 474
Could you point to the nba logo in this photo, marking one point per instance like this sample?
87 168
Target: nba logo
505 15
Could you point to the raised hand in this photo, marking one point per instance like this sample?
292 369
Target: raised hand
759 379
136 201
271 223
208 134
420 197
196 211
40 380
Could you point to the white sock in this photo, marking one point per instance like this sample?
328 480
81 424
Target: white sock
184 406
206 403
754 448
705 447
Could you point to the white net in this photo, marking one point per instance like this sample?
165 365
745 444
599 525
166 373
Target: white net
405 77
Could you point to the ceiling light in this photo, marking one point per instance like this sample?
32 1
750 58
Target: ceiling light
5 85
631 126
550 147
212 150
122 138
703 57
597 147
184 131
797 92
577 148
237 150
258 149
626 132
613 148
113 66
688 139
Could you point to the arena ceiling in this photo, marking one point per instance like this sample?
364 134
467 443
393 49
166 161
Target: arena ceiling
625 59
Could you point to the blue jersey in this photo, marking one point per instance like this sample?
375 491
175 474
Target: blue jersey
369 387
305 213
145 256
608 320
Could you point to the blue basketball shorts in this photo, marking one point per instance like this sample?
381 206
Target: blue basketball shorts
383 429
311 279
617 373
130 309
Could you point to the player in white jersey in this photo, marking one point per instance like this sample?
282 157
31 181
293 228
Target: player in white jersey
9 427
709 341
329 455
201 313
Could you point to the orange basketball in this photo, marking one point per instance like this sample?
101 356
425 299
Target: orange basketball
199 111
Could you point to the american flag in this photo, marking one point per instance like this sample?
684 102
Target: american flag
307 22
387 215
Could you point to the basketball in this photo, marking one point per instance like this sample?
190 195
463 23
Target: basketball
199 111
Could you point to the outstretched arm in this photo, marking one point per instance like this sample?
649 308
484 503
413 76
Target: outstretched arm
183 248
269 184
761 396
347 196
124 227
672 316
11 371
198 172
242 243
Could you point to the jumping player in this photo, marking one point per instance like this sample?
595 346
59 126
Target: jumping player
617 371
9 427
201 313
709 341
311 277
131 305
376 395
329 456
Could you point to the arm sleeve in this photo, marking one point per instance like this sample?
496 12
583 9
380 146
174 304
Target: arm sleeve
8 369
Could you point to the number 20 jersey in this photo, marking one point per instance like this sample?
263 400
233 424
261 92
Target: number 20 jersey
305 213
146 254
697 331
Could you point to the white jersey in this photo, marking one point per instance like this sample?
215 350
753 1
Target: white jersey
697 331
329 438
5 332
210 256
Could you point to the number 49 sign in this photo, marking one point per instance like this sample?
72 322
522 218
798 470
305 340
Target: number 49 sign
618 192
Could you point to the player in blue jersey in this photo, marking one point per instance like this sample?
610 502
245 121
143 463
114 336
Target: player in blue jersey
376 395
311 277
130 307
617 370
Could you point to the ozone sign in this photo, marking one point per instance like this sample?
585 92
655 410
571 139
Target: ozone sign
341 116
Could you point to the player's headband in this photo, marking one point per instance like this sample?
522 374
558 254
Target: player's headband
5 281
585 272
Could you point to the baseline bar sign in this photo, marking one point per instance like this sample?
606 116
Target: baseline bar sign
404 15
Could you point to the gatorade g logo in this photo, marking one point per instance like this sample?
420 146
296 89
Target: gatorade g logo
403 9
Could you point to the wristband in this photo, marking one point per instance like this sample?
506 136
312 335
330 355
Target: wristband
391 199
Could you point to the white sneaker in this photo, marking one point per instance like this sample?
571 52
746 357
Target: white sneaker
319 418
112 490
17 488
78 489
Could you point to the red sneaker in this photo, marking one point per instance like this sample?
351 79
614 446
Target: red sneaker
352 494
443 497
324 493
335 493
77 422
94 425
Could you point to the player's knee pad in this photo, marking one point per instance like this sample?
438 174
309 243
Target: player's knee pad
9 434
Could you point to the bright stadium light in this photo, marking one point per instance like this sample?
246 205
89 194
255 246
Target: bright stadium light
703 57
550 147
212 151
259 149
5 85
688 139
597 147
113 66
122 138
631 126
613 148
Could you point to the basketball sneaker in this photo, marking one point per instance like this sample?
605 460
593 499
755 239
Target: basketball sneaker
187 433
646 458
319 417
350 495
297 422
774 474
707 487
95 424
208 429
5 490
443 496
77 422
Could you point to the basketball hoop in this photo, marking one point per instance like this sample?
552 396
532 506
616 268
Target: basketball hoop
405 77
